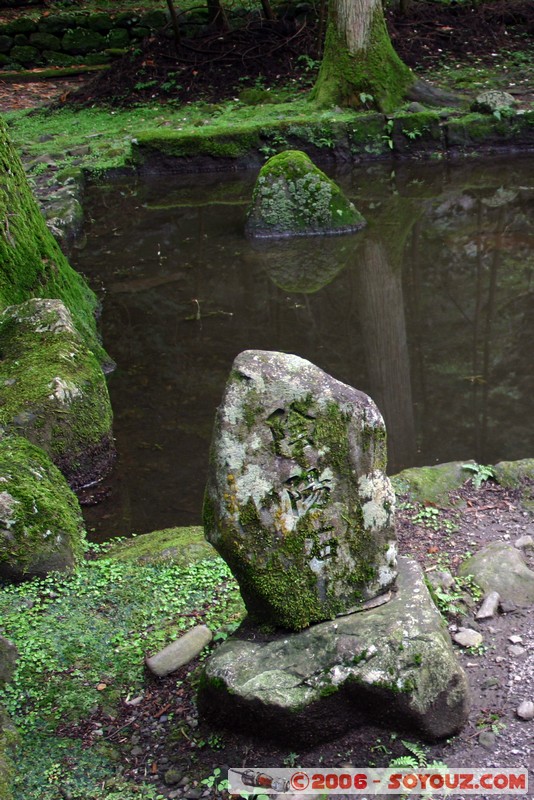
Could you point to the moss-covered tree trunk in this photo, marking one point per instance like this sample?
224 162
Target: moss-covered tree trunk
360 68
31 262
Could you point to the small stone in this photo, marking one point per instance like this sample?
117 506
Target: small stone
508 607
489 606
487 739
466 637
135 701
137 751
441 580
524 543
515 639
180 652
499 659
526 710
489 683
194 793
516 650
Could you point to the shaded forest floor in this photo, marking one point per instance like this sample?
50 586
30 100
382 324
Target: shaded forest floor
464 47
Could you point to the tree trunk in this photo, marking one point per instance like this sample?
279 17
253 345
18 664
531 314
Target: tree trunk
360 68
174 21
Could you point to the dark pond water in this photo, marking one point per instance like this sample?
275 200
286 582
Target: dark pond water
430 311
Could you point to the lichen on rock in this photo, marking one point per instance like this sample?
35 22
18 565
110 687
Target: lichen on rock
297 500
53 390
41 527
292 197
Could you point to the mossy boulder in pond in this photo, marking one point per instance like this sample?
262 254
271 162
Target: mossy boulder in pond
53 390
292 197
297 500
390 665
41 527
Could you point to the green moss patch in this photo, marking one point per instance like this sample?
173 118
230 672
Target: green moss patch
180 546
31 262
431 484
41 527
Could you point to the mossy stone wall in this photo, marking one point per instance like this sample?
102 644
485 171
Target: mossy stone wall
74 38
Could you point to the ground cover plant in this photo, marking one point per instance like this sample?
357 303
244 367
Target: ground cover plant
82 639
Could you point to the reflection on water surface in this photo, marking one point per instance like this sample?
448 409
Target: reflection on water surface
429 311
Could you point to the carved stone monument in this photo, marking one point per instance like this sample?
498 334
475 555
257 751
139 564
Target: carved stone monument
300 507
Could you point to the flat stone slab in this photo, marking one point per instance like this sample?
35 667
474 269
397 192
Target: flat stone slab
392 665
501 568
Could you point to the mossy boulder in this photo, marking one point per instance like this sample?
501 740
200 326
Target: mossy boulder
491 101
517 475
155 19
500 567
100 22
25 55
53 390
45 41
6 43
514 474
21 25
292 197
118 38
393 664
80 41
41 527
58 23
8 659
31 261
431 484
297 500
180 545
